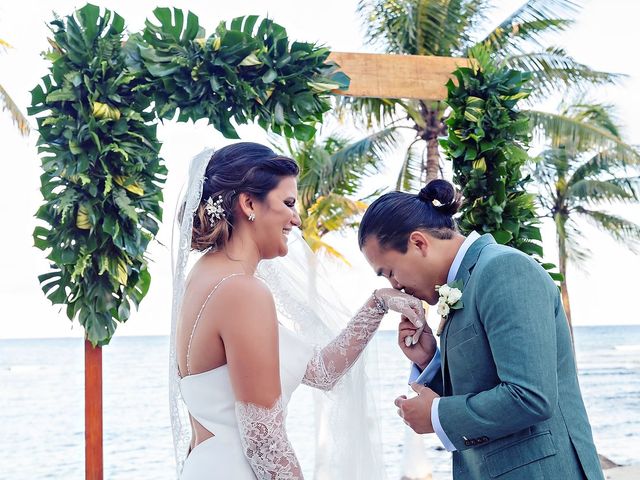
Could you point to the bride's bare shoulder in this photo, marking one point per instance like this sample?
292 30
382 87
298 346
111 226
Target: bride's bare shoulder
243 290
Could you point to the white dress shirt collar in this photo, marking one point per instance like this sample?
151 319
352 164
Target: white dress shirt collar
455 266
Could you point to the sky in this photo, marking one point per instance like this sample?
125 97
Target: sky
605 37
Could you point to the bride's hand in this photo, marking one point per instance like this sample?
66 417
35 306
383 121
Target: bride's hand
406 305
420 351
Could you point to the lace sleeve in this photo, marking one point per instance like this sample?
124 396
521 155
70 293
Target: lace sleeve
265 443
330 363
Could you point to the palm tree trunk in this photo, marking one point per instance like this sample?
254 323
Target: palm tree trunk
562 253
433 159
434 128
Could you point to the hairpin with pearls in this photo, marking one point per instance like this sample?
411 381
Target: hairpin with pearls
214 209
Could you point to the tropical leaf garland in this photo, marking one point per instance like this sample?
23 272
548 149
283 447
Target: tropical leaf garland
245 71
102 176
97 113
487 141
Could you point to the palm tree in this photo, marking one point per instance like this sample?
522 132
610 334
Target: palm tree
586 165
331 173
8 104
451 28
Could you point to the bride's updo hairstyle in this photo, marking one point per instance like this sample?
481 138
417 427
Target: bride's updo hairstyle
243 167
393 216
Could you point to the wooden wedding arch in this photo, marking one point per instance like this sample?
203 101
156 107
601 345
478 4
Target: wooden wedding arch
370 75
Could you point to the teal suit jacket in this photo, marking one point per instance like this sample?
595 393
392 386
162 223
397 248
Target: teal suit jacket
511 403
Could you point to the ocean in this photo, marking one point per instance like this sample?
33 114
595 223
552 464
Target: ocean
42 406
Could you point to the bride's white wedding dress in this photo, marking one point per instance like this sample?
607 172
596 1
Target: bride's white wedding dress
250 441
211 402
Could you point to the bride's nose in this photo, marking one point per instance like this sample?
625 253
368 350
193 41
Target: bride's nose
296 221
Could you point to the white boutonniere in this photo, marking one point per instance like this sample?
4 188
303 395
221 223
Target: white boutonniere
450 299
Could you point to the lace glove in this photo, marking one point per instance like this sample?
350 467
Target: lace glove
402 304
265 443
330 363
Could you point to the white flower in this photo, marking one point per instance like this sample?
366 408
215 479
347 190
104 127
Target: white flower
454 295
450 299
443 308
444 291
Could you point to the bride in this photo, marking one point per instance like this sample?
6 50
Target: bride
234 365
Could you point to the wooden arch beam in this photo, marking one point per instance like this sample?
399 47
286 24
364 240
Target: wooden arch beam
397 76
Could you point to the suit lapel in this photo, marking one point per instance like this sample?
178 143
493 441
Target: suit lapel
464 273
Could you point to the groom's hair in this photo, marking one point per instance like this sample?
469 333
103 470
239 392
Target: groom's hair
393 216
243 167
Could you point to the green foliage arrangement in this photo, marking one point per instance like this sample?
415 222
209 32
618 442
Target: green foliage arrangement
102 175
246 71
97 115
487 143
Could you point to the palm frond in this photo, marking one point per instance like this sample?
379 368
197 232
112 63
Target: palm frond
565 130
576 248
339 165
599 164
315 164
333 212
599 114
553 68
420 27
336 165
361 158
619 228
317 244
529 22
368 112
409 176
444 27
16 115
596 191
510 37
388 24
330 213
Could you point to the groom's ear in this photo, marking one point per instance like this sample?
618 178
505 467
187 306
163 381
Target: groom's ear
419 240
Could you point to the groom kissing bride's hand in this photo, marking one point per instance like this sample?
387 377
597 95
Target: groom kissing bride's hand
422 347
501 392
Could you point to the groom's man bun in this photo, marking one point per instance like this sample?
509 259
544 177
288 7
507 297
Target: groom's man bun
393 216
442 196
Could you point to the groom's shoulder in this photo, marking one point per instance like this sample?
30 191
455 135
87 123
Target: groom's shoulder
496 259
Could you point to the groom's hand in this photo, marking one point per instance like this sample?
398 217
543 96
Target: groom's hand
416 411
424 349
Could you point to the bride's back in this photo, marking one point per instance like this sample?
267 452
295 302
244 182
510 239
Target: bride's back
199 345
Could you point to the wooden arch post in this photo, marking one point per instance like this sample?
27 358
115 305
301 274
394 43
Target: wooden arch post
93 453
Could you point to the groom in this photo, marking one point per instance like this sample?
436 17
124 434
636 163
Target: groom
501 392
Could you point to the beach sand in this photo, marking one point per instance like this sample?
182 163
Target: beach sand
628 472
